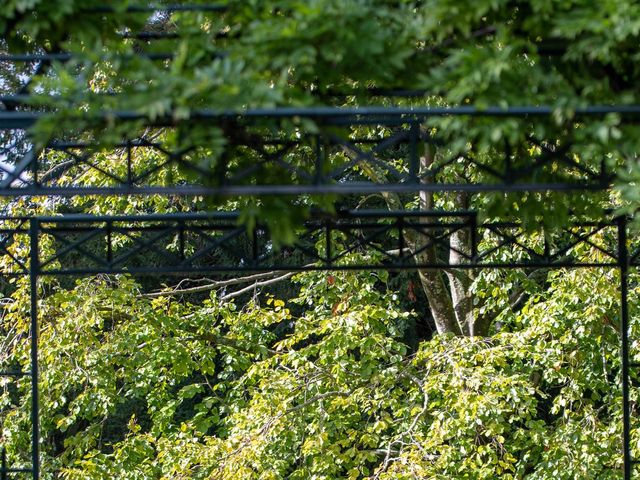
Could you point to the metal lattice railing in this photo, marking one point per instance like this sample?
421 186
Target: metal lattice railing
190 243
333 159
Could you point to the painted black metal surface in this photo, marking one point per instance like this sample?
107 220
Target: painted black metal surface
349 240
271 143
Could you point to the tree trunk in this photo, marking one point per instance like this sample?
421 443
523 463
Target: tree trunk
451 306
441 303
460 280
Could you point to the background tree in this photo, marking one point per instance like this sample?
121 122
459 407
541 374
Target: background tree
265 54
142 384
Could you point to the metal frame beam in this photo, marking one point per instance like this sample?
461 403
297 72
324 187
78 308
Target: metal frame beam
193 243
328 161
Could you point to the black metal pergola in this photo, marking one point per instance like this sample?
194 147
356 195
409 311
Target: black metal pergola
190 242
184 243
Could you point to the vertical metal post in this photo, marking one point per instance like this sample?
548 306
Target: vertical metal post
109 243
181 243
603 177
623 262
254 245
401 242
129 168
473 226
35 168
3 470
34 269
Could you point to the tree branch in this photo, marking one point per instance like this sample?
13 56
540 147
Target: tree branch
210 286
248 288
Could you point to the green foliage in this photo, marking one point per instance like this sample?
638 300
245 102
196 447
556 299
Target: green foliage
139 388
327 384
265 54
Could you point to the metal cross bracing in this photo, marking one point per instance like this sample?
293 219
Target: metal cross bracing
273 152
348 240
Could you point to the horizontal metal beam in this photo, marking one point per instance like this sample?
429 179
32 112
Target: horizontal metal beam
328 161
361 267
350 240
275 190
66 57
9 373
20 119
159 8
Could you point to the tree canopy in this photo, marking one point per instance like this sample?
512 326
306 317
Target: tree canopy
433 374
